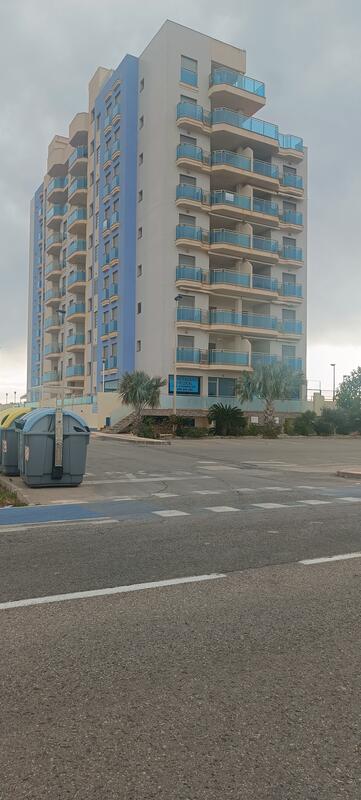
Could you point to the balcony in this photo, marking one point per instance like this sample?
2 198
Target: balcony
75 371
50 377
78 191
236 283
291 290
241 207
226 86
76 251
195 117
116 112
53 269
76 342
76 281
291 326
53 296
189 77
107 157
52 323
77 221
78 161
109 327
106 190
55 216
291 184
196 237
209 358
266 360
114 219
291 219
238 129
115 184
224 319
54 243
110 363
229 242
187 195
190 156
110 292
290 145
115 148
52 349
290 253
57 189
231 167
78 129
76 310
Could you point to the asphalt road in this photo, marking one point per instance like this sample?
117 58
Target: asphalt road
243 683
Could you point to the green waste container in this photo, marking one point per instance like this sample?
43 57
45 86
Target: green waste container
37 448
9 440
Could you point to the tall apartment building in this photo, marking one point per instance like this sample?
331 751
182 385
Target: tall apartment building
169 231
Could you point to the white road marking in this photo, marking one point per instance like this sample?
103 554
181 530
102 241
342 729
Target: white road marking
270 505
53 523
172 512
245 489
67 503
344 557
275 489
208 491
314 502
220 467
221 509
120 499
207 462
309 487
134 587
166 478
350 499
164 494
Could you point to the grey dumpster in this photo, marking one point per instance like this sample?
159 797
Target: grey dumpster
2 420
9 441
38 457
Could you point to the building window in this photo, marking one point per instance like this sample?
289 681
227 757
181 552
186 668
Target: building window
98 122
91 210
89 336
96 253
97 220
189 71
139 270
139 308
92 147
140 195
92 115
89 368
90 304
91 178
139 345
188 139
140 233
95 319
191 100
141 122
91 240
140 159
98 155
188 179
97 188
90 273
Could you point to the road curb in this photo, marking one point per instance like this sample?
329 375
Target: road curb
8 484
139 440
348 473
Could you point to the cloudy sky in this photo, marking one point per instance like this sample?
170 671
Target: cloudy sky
307 52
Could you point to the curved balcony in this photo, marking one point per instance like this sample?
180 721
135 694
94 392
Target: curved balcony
53 244
78 161
109 328
231 88
110 293
52 323
188 235
53 297
55 216
193 116
290 146
191 157
291 220
75 371
77 221
78 129
76 251
191 196
239 206
229 168
115 184
115 148
233 243
57 190
291 255
227 282
209 359
76 311
53 270
76 281
110 363
291 185
234 129
51 377
116 112
76 342
77 192
52 350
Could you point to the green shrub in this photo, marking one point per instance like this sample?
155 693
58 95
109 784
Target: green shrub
192 433
146 430
304 424
288 427
254 430
323 428
271 431
229 420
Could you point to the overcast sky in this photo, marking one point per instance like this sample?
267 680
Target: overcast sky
308 54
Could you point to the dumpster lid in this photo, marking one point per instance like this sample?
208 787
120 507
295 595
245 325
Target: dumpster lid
14 414
30 421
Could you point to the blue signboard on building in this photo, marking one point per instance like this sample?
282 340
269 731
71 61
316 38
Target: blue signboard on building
186 384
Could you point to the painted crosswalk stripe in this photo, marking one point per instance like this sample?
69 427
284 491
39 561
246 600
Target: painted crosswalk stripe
314 502
221 509
164 494
350 499
172 512
270 505
275 489
208 491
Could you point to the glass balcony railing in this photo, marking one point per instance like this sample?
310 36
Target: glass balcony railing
225 236
110 291
194 111
54 266
115 183
188 355
228 358
265 168
228 276
295 181
78 215
78 246
107 155
57 183
52 377
265 207
227 157
188 274
56 211
194 153
114 219
224 317
292 217
52 322
78 338
291 326
54 239
294 363
221 197
116 146
107 189
289 142
263 360
109 327
111 362
107 121
79 152
237 80
76 185
264 282
52 294
76 277
291 253
52 348
290 289
186 192
189 76
262 243
252 124
185 314
75 371
191 232
116 110
76 308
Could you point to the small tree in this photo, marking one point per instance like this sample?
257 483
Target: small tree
229 420
139 390
348 394
270 383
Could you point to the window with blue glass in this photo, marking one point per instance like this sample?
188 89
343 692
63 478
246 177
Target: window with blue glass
189 71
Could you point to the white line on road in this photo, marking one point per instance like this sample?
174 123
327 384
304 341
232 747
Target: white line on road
164 494
344 557
172 512
221 509
208 491
70 523
134 587
275 489
166 478
270 505
350 499
314 502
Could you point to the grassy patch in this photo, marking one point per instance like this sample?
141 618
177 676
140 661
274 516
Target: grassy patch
8 498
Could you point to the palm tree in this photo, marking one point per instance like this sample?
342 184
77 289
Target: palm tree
229 420
139 390
270 383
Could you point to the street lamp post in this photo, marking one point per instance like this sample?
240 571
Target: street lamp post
334 382
177 298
